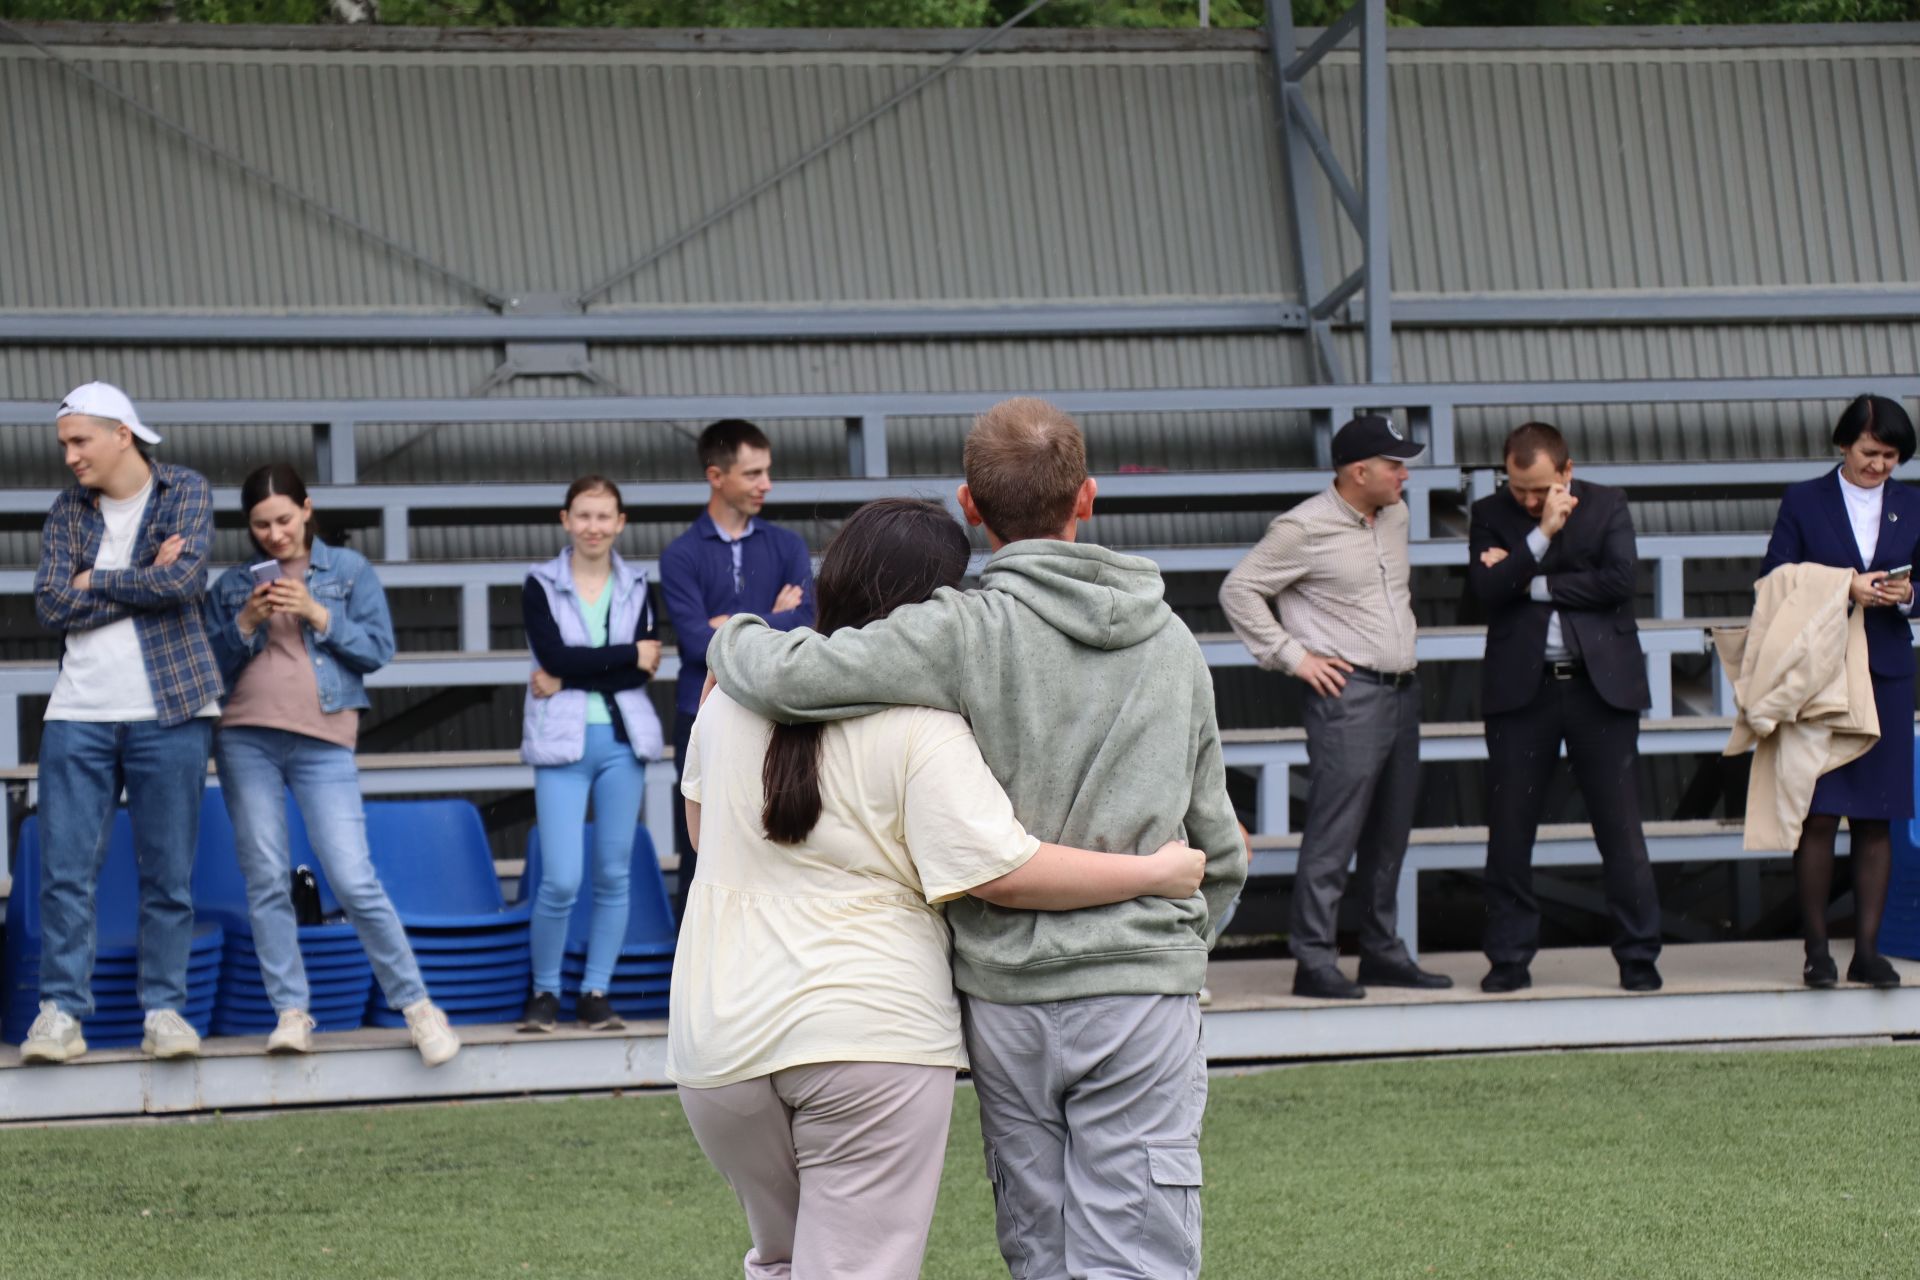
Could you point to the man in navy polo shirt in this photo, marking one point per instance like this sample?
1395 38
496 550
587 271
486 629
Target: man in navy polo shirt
729 561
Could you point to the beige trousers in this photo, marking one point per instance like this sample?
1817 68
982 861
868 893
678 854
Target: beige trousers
837 1165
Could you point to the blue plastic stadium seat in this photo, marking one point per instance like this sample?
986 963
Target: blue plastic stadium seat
650 929
434 859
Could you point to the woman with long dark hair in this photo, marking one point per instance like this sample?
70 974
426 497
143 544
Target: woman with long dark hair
295 635
1858 517
814 1031
588 730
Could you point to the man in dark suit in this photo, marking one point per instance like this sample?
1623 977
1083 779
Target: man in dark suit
1552 560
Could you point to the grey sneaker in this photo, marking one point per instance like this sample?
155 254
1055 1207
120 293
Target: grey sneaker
53 1037
294 1034
432 1034
169 1036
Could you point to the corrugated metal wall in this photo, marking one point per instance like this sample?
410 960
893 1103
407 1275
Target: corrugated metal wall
1150 175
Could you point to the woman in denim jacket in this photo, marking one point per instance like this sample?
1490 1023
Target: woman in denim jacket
588 731
292 649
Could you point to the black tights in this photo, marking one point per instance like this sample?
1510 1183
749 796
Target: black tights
1872 867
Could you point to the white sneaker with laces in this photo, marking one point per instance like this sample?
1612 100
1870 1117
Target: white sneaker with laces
432 1035
53 1037
169 1036
293 1035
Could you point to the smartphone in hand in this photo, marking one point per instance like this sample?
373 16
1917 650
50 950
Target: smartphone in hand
264 572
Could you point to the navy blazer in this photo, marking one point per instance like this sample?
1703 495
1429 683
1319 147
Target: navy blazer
1812 528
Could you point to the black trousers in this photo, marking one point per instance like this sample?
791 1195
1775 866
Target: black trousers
682 845
1523 749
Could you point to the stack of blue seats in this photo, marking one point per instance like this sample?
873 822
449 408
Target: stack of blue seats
338 974
434 859
118 1019
643 973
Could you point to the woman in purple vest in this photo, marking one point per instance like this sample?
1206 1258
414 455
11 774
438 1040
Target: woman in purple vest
589 730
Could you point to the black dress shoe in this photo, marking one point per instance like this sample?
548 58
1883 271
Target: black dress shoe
1401 973
1639 975
1873 971
1324 982
1503 978
1820 971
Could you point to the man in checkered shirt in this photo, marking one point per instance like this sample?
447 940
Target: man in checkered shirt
123 569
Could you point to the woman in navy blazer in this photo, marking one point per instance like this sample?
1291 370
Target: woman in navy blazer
1858 517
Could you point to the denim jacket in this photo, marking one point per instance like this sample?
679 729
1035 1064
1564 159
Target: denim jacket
359 638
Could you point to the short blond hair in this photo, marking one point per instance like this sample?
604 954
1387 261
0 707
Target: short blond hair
1025 463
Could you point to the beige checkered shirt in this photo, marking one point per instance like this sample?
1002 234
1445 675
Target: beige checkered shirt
1342 587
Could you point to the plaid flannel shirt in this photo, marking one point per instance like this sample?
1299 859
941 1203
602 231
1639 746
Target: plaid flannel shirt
164 602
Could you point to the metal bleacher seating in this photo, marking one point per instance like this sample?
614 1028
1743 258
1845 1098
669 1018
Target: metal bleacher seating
1687 719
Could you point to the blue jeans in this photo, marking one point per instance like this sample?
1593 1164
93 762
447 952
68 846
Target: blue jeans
82 769
608 771
256 768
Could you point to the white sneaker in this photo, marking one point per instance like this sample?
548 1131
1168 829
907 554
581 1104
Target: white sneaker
169 1036
1206 997
293 1035
432 1035
53 1037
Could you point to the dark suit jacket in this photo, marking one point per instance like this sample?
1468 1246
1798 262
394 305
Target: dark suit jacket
1590 574
1812 528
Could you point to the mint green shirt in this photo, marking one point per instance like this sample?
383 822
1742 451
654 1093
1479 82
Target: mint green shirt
595 615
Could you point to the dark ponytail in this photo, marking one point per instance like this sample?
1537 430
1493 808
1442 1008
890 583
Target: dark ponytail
891 552
276 479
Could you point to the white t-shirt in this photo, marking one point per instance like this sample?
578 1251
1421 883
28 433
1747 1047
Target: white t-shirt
103 678
832 950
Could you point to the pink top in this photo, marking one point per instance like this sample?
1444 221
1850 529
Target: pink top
277 690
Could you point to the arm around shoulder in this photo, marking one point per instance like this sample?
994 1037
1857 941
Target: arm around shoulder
916 657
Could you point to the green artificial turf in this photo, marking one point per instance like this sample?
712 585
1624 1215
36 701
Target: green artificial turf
1738 1165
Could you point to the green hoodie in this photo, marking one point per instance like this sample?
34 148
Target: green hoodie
1094 708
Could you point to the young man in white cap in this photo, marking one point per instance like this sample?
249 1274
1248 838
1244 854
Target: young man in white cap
123 568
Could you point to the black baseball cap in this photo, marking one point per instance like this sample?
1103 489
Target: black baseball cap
1372 436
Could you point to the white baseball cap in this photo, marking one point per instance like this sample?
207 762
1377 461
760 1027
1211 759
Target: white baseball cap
104 400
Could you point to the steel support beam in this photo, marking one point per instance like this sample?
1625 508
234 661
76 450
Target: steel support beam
1370 207
1377 235
822 323
1302 209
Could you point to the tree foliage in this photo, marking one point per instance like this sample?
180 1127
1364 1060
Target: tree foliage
964 13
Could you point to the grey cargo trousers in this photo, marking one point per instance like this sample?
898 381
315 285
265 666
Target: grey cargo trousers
1091 1112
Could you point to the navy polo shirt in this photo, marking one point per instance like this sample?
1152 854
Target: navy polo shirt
698 582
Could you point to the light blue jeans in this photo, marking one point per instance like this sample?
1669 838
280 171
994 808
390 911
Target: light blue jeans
608 772
82 768
256 768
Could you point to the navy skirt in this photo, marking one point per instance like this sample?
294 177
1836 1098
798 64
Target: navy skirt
1880 783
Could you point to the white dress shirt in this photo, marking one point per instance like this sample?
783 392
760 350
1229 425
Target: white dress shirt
1557 651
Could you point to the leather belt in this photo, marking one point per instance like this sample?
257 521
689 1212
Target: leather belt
1566 670
1391 679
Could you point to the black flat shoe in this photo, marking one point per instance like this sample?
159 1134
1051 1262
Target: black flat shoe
1820 972
1324 982
1504 978
1401 973
1639 975
1873 971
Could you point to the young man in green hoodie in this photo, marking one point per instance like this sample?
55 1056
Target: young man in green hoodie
1094 708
